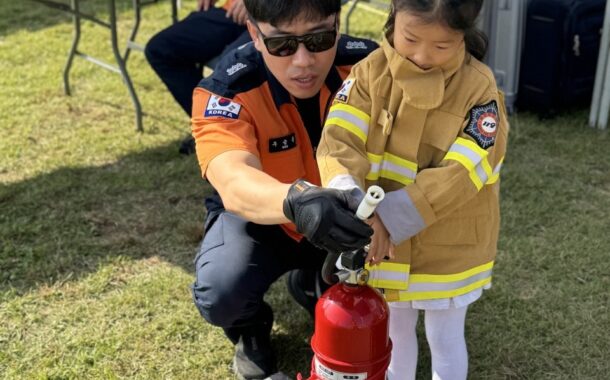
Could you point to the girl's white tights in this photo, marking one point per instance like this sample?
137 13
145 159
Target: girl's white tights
445 335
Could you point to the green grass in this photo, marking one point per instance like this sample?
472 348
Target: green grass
99 225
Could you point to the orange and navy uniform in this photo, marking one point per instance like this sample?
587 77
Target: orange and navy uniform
242 106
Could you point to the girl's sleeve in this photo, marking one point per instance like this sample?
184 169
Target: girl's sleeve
471 164
341 154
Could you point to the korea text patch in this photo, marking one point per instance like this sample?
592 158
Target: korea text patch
346 88
483 124
222 107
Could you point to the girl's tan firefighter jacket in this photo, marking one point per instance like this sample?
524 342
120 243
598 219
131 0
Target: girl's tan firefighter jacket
434 140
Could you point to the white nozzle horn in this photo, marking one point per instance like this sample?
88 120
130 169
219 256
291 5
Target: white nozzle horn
373 196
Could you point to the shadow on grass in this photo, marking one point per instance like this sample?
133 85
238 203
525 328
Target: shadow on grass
64 224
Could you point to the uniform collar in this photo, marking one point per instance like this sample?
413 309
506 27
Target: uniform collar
281 95
424 89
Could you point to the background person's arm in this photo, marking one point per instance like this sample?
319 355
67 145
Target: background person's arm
238 12
204 5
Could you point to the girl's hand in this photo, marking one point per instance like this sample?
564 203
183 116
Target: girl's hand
380 246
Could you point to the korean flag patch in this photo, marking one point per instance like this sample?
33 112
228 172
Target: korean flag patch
483 124
343 93
222 107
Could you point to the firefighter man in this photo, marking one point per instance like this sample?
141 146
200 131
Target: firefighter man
257 121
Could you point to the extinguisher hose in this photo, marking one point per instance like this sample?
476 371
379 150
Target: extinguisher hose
328 268
374 195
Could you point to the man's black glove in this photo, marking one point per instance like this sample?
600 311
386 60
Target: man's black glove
326 217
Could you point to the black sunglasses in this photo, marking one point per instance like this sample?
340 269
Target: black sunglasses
284 46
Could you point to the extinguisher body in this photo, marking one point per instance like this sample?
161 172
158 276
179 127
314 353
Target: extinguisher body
351 339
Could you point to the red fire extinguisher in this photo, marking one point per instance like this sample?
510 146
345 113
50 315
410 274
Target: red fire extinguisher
351 337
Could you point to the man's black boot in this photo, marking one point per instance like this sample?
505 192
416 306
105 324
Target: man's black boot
254 357
306 286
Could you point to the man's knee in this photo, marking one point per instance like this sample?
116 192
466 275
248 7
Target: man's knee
217 309
156 48
220 300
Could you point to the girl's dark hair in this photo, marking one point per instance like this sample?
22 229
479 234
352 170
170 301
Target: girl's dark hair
457 14
277 12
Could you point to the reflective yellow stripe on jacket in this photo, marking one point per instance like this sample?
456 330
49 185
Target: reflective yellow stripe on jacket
350 118
474 159
391 167
495 176
428 286
388 275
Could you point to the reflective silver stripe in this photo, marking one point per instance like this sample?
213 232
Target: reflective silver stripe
497 168
496 173
351 118
391 167
439 286
406 172
481 174
374 168
400 216
473 156
376 274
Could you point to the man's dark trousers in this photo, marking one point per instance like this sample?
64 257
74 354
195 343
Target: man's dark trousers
179 52
237 263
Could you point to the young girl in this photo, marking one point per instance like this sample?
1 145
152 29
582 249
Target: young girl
422 118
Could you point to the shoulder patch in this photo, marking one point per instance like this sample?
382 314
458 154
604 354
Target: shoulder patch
235 68
239 70
222 107
343 93
351 50
483 124
351 45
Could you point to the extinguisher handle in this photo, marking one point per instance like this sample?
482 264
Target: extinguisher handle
374 195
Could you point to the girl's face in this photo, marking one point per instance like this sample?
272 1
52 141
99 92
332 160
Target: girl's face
428 45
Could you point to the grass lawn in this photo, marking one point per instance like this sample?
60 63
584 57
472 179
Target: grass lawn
99 225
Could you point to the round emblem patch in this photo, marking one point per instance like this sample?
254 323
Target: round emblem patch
483 124
488 124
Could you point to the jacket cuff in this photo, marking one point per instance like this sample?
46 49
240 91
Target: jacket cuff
400 216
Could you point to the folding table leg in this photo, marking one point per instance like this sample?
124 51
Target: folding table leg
134 30
75 40
122 67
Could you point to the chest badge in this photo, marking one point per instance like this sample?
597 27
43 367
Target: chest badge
483 124
283 143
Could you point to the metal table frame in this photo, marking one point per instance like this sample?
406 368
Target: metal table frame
121 58
374 6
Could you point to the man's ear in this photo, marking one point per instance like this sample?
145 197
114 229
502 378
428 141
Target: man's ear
338 26
254 35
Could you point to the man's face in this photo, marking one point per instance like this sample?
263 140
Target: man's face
303 73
